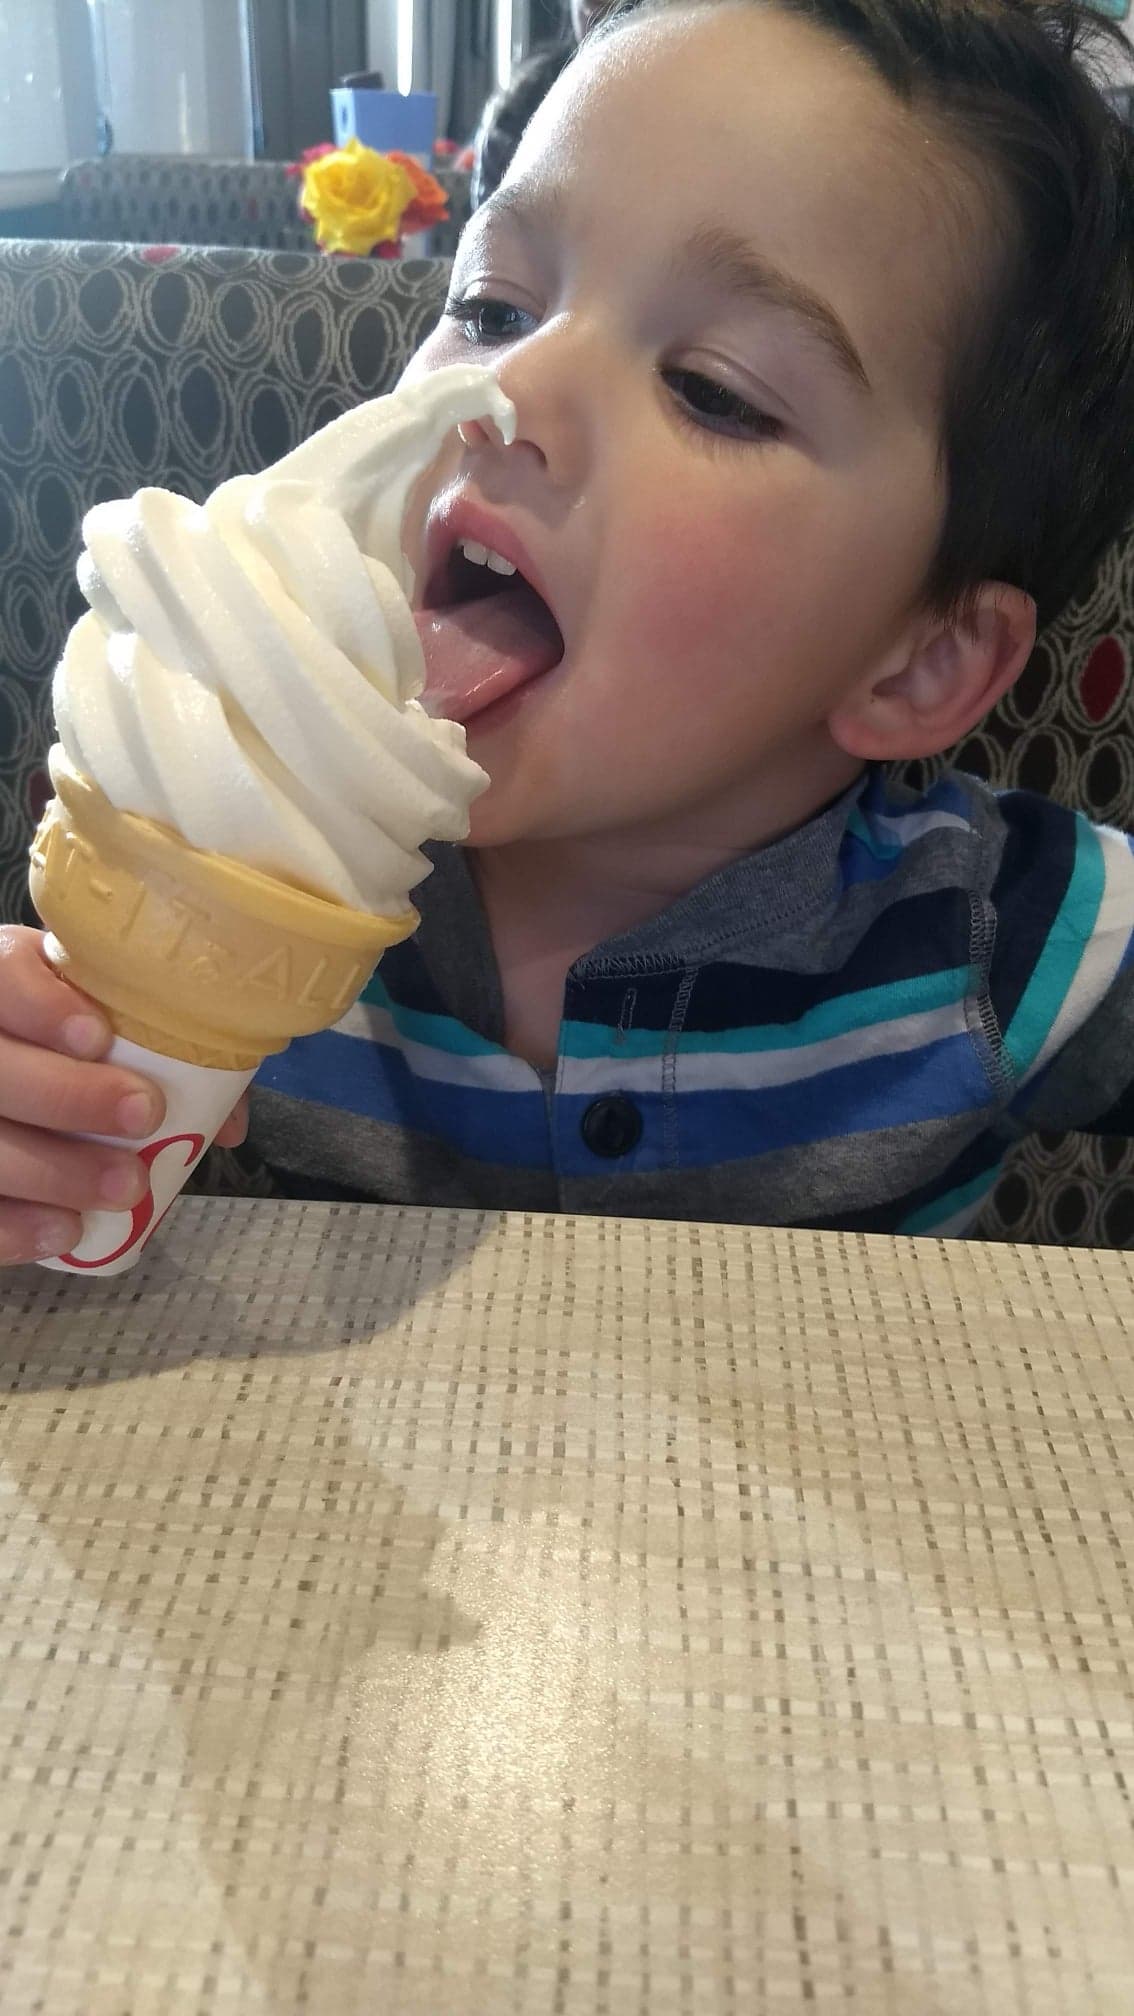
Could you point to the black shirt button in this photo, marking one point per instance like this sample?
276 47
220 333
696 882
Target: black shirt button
611 1126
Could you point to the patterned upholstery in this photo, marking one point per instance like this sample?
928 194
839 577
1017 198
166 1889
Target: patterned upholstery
120 366
155 199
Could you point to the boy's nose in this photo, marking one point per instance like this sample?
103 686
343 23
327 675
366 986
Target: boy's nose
480 434
553 379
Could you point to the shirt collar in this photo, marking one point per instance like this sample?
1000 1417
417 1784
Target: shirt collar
779 892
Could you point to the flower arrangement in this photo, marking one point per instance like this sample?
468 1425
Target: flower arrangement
363 202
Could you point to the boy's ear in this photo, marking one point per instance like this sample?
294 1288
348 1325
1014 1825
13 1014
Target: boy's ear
941 681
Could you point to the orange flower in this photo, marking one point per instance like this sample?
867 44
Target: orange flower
429 204
356 198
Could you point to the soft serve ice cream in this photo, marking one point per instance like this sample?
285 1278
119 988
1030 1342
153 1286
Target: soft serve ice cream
244 775
249 669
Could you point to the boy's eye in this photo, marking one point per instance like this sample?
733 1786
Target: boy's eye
711 406
486 321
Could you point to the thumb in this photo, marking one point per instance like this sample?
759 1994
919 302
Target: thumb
236 1126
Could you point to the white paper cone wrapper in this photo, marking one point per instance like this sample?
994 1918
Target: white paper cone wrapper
197 1101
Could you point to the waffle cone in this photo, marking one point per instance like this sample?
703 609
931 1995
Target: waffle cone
192 954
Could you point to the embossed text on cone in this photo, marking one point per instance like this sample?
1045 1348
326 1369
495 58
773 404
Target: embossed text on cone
192 954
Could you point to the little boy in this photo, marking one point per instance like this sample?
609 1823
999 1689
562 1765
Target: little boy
818 320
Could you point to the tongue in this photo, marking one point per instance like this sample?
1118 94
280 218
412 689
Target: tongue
476 652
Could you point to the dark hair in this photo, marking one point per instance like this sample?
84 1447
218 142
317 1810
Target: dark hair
1038 424
507 113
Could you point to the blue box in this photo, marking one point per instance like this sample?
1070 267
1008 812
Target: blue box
385 119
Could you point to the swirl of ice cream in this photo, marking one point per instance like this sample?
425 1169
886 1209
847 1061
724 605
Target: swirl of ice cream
248 668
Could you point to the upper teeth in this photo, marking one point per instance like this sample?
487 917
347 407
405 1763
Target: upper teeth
483 556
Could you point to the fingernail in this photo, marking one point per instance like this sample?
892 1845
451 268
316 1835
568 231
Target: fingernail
54 1235
85 1035
138 1114
122 1185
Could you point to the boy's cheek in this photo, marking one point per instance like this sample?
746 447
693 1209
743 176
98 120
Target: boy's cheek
429 356
694 586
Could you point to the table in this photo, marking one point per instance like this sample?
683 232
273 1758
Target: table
430 1612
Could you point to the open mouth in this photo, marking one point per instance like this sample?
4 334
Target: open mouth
485 632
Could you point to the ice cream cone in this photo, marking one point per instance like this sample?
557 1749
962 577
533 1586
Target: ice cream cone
246 676
192 954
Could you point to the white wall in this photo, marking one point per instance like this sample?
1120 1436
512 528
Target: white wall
33 126
382 39
172 75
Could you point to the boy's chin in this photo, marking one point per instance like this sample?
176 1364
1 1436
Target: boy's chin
493 822
508 815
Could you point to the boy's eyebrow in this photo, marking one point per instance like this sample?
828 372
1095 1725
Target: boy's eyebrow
721 256
727 258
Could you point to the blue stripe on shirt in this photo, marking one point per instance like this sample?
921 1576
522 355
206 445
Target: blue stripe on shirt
868 1008
435 1032
374 1081
878 1092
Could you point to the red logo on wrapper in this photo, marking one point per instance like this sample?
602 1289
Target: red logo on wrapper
142 1221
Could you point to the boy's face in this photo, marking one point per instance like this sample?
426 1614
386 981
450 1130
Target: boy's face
718 292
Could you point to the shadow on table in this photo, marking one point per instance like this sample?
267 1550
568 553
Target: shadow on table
271 1606
274 1590
232 1279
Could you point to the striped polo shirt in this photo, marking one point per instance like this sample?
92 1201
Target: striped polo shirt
848 1028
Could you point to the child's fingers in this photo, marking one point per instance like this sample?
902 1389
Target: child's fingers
42 1089
40 1168
235 1127
29 1232
39 1007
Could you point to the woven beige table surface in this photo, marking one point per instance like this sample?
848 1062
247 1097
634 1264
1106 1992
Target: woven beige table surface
426 1612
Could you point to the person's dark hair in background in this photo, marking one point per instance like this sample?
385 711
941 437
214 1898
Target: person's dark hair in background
508 111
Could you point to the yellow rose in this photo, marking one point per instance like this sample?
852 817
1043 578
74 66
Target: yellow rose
355 198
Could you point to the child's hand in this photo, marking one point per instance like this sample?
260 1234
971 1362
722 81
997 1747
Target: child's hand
51 1085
